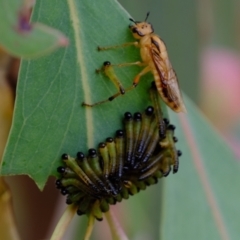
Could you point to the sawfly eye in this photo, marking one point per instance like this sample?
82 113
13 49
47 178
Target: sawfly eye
134 30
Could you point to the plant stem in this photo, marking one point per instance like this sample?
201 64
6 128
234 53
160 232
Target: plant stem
89 229
116 229
64 222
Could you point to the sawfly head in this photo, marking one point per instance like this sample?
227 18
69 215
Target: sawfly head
140 29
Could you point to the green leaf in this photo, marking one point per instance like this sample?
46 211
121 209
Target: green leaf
202 200
23 39
49 119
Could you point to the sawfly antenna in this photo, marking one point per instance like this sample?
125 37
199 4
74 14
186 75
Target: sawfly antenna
132 20
147 16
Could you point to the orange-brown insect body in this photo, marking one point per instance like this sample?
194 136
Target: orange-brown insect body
154 55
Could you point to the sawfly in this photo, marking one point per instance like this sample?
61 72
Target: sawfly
154 59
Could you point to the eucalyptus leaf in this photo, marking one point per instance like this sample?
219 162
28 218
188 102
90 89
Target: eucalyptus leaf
49 119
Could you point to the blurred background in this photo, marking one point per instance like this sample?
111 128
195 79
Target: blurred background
203 41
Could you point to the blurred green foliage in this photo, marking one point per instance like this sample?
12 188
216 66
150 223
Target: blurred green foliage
23 39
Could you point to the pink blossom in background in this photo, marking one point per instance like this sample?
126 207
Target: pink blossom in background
220 90
220 86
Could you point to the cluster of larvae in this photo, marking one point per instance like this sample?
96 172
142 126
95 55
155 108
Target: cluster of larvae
139 154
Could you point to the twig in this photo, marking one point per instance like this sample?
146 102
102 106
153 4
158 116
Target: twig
116 229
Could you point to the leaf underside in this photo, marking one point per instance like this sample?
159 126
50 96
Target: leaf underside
49 119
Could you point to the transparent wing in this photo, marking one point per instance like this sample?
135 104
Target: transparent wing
166 81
